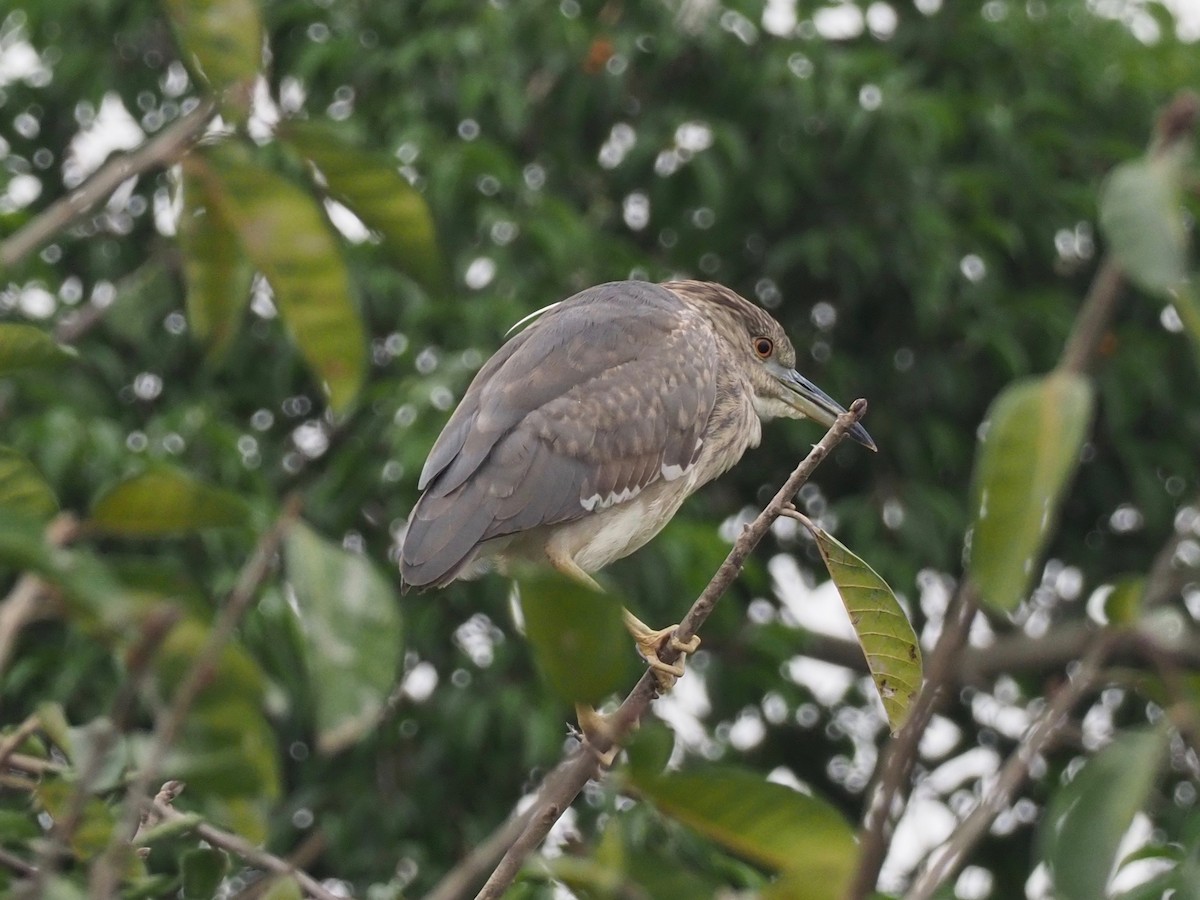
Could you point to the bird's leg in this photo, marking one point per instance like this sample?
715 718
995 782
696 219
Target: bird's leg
567 566
650 641
596 733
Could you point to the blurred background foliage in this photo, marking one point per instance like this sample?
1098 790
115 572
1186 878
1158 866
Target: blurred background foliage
911 189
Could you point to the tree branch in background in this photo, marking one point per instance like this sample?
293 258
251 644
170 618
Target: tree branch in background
161 150
947 860
560 788
894 772
21 604
253 574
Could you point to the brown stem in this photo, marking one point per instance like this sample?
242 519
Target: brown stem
564 783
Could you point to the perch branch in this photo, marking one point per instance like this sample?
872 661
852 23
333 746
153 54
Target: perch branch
563 785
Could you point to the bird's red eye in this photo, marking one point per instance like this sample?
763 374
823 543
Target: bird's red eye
764 347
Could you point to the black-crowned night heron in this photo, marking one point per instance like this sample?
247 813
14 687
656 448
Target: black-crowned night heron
580 438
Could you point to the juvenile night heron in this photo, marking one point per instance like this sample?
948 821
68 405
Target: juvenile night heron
580 438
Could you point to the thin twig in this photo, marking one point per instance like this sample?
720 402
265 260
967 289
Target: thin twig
563 784
899 757
198 676
15 864
240 847
13 740
948 858
163 149
23 601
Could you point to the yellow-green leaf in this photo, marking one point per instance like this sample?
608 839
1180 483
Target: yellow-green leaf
581 646
286 237
284 887
1034 432
887 638
165 501
769 824
26 347
222 43
1141 215
350 619
22 487
1087 818
372 187
215 268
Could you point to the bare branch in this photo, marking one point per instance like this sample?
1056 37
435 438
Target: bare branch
563 784
163 149
253 574
162 812
948 858
12 741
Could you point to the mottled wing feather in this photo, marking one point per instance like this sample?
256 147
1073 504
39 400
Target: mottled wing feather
587 407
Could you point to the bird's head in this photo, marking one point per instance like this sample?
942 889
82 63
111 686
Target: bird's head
766 356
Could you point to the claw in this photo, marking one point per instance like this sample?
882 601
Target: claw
596 733
650 642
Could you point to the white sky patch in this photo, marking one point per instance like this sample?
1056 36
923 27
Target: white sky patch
839 23
19 61
349 225
684 708
112 129
926 823
825 681
818 609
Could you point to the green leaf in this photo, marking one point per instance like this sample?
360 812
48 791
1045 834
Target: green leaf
285 236
165 501
1123 605
222 42
26 347
22 487
1087 817
767 823
350 619
203 869
283 888
216 270
1186 300
1141 215
372 187
579 641
1036 428
888 640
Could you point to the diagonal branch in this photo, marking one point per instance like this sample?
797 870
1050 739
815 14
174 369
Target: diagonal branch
163 149
560 788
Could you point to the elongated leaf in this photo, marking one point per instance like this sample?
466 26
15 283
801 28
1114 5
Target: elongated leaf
888 640
1035 432
216 269
370 185
1086 819
222 43
1141 215
580 645
22 487
165 501
202 869
26 347
769 824
286 238
350 618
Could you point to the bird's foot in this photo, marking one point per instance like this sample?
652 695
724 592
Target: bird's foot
651 641
597 733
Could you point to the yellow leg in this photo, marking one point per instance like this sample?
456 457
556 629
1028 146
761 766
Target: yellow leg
596 733
651 640
566 566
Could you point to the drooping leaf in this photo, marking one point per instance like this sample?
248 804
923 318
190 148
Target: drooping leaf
767 823
1086 818
1035 430
216 269
165 501
1141 215
22 487
287 239
26 347
350 619
370 185
579 642
887 638
203 868
222 43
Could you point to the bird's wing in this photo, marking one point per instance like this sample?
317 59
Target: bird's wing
600 398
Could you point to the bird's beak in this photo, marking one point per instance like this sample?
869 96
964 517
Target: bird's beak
817 405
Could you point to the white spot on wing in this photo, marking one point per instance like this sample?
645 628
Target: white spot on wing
674 471
594 502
